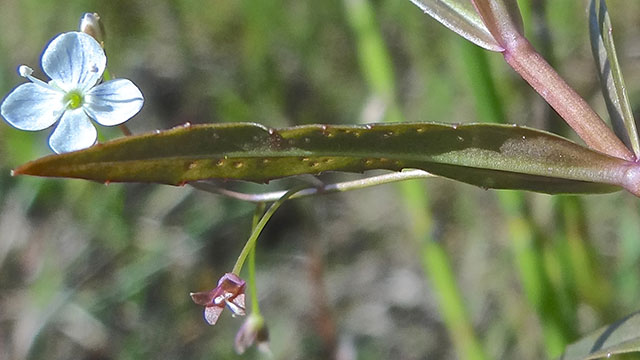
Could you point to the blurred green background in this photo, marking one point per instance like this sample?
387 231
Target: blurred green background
432 269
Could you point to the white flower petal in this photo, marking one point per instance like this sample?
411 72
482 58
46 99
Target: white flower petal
74 60
113 102
32 107
74 132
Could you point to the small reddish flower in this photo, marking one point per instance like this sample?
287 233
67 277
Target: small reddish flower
229 292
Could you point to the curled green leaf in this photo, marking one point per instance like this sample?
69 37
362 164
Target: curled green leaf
460 17
486 155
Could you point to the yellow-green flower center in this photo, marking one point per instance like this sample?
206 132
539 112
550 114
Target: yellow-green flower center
73 99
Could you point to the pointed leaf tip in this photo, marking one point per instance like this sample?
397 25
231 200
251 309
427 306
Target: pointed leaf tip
461 18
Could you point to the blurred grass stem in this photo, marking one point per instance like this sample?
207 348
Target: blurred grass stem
377 69
525 243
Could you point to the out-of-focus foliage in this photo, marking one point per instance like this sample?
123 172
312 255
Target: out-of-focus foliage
94 271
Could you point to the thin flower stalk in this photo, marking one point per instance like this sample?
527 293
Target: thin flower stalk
253 330
251 242
253 289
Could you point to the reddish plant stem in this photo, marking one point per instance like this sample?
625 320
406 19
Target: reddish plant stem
535 70
502 18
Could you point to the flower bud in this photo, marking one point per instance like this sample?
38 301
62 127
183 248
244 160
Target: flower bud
90 24
253 331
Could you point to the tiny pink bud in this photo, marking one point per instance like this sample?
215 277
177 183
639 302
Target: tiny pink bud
253 331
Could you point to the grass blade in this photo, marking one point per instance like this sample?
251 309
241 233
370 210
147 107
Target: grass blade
612 82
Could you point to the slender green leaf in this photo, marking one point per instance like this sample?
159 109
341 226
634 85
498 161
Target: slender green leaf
612 82
462 18
621 337
486 155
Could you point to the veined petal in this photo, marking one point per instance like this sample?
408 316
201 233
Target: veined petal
74 132
32 107
113 102
237 305
74 60
202 298
212 313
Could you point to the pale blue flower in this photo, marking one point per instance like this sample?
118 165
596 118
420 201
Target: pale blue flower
75 62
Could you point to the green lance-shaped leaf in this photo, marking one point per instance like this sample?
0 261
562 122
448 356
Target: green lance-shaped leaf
486 155
461 17
613 87
621 337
